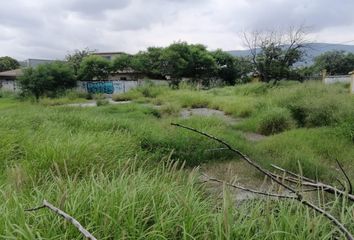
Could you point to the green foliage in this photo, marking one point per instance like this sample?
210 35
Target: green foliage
47 79
149 90
335 62
74 59
275 120
122 62
274 63
170 109
148 62
188 60
128 96
102 102
94 67
8 63
117 168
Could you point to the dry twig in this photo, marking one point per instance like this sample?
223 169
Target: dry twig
66 216
307 182
212 179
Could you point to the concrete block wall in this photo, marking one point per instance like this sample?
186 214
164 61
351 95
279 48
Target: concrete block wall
337 79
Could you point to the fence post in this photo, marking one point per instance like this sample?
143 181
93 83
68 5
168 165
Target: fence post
324 75
352 83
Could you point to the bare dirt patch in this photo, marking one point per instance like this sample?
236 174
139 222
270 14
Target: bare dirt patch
239 173
254 137
94 104
250 136
208 112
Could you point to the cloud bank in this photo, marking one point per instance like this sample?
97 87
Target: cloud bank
49 29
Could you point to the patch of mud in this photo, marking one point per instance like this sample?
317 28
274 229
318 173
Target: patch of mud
254 137
239 173
208 112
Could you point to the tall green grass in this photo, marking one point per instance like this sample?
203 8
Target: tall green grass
116 168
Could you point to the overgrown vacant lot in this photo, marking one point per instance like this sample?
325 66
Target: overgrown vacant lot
118 168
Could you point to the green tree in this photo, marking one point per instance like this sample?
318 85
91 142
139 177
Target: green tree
122 62
230 68
193 61
273 54
47 79
201 65
94 68
335 62
75 58
149 62
8 63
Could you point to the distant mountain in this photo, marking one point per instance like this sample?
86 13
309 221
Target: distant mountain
313 50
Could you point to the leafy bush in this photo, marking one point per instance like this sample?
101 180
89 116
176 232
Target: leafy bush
94 67
316 112
275 120
47 79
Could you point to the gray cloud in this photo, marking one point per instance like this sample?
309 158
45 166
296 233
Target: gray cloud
48 29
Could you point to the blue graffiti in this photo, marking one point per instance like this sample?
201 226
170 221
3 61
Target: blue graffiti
118 87
100 87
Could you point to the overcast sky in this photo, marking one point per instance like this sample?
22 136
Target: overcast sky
51 28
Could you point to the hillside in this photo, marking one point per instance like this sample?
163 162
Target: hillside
313 50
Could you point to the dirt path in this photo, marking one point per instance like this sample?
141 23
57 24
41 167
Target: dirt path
250 136
94 104
187 113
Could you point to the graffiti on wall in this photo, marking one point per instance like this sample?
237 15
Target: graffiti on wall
118 87
107 87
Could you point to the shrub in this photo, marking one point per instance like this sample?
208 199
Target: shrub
170 109
47 79
317 112
150 90
74 94
127 96
275 120
102 102
193 99
94 68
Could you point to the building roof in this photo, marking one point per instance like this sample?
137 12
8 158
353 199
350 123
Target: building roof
108 53
12 73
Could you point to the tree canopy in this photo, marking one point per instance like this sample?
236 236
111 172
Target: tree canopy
75 58
94 67
335 62
8 63
47 79
273 54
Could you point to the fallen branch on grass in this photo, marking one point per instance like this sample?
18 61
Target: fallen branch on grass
66 216
298 197
307 182
212 179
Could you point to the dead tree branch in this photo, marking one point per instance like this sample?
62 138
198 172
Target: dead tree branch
212 179
350 190
66 216
304 181
298 197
